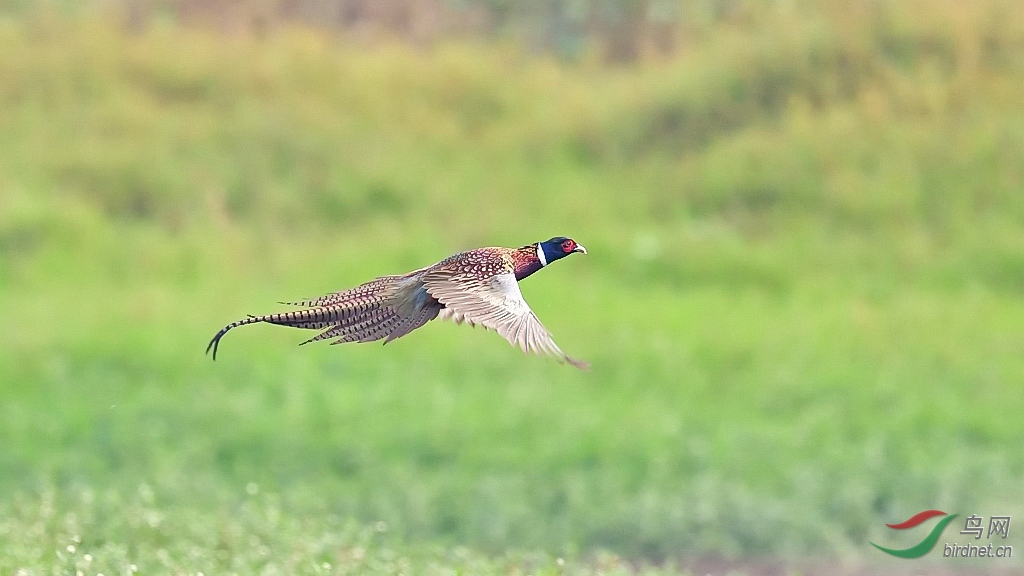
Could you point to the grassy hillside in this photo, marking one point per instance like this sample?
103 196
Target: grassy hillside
802 299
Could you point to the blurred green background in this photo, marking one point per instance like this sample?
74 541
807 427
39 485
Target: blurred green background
802 302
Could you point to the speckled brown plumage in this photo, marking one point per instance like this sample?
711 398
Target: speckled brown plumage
479 287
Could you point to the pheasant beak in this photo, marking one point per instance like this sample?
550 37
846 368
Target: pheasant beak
579 248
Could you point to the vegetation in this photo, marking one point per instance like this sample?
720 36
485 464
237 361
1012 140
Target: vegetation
802 299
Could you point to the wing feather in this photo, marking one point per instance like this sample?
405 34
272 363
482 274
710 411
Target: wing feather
496 303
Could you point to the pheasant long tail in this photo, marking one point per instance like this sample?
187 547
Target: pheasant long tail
361 314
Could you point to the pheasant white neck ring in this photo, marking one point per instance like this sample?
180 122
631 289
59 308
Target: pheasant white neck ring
540 256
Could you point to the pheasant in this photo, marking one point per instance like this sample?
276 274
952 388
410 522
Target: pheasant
479 287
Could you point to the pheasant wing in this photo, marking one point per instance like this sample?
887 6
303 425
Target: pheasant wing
494 302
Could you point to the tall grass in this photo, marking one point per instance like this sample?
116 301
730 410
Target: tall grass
802 298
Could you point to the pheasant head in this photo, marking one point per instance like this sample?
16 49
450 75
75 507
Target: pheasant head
557 247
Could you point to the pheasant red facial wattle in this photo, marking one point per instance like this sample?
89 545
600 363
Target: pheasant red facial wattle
479 287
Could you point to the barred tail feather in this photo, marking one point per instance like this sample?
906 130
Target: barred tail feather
388 307
413 322
314 318
369 331
356 323
371 288
310 319
216 338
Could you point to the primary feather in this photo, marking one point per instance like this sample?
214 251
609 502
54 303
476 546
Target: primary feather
479 287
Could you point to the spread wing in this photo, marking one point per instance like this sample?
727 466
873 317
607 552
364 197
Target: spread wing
496 303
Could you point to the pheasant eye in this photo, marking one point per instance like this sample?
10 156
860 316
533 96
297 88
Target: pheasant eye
568 245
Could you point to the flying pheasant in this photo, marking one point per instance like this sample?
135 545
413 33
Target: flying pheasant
478 287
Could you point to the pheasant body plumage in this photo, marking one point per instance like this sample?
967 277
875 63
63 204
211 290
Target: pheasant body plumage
479 287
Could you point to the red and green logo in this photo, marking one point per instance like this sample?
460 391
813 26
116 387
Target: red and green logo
924 546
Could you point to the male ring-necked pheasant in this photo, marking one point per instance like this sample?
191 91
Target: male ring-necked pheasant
478 287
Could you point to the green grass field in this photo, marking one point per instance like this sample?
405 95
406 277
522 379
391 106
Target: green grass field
803 298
